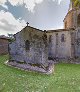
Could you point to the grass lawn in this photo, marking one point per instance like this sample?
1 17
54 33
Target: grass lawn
65 79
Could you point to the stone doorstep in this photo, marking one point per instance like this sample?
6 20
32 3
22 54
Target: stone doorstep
30 68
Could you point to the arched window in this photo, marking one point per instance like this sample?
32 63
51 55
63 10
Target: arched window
62 38
27 45
78 20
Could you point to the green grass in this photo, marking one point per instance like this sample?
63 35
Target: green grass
65 79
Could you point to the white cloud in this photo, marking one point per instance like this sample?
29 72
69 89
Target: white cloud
30 4
8 23
16 2
2 3
59 1
5 6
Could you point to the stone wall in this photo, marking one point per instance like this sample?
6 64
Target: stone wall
51 45
59 48
71 19
30 46
64 48
68 21
77 43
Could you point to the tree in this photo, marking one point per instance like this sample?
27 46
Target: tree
76 3
10 35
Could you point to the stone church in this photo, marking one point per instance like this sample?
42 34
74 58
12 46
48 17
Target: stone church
34 47
29 50
65 43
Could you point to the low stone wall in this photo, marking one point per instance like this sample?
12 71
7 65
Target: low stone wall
28 67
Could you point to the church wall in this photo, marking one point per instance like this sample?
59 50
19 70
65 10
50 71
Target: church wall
64 48
52 45
30 46
77 43
58 48
71 19
68 21
76 14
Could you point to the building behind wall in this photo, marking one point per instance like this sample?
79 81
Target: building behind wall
60 43
4 41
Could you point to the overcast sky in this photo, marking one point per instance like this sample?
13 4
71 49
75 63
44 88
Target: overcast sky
42 14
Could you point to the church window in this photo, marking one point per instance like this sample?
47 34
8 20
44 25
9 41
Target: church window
62 38
27 45
78 20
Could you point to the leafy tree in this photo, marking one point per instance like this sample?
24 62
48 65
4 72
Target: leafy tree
76 3
11 37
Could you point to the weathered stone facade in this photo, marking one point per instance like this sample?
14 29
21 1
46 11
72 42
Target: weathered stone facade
30 47
3 45
71 20
60 44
